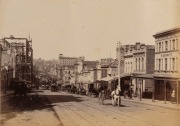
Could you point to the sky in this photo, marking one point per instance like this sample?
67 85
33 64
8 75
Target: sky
89 28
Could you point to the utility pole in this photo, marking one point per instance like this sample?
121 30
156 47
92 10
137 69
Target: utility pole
119 65
0 66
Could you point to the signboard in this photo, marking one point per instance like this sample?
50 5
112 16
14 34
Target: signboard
166 54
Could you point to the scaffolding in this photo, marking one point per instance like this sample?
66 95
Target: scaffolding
23 58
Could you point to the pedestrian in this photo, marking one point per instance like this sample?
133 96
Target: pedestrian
130 94
173 96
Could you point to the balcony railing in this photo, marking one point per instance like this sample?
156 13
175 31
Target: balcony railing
139 70
166 71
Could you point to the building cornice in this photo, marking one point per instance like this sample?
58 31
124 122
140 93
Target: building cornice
166 32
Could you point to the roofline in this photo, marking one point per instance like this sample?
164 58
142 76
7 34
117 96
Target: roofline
165 32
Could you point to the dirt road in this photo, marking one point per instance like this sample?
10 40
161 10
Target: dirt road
32 110
61 108
78 110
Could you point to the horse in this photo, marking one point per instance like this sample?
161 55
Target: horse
116 98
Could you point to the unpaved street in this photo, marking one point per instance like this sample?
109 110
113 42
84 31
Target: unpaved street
78 110
32 110
48 108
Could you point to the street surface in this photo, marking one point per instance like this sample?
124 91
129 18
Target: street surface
46 108
32 110
79 110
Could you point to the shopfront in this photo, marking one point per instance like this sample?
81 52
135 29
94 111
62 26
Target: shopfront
164 86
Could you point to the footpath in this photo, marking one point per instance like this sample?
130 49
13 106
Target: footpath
158 103
9 92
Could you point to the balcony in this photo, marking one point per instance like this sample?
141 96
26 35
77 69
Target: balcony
166 71
139 71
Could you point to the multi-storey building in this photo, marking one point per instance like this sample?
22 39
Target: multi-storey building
87 76
7 65
64 61
167 59
138 60
68 75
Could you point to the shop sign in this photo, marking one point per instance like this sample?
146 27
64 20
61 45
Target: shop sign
166 55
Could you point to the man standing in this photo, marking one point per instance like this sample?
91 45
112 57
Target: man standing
173 96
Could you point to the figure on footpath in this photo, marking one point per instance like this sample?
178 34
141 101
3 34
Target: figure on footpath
130 94
173 97
101 95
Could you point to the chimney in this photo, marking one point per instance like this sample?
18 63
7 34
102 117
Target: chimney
138 45
60 55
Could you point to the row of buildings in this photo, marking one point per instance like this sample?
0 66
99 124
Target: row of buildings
152 71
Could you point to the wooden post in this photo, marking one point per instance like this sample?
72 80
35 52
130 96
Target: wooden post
0 67
140 89
177 98
164 92
153 90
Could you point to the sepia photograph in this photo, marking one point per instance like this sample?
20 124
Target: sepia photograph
89 62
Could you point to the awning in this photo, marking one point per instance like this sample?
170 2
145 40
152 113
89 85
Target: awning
144 76
171 77
89 82
123 75
66 84
108 78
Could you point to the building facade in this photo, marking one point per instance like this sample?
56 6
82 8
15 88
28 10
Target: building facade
63 61
167 59
138 60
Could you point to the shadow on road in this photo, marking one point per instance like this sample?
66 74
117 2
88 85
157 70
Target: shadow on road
63 98
32 101
21 103
107 104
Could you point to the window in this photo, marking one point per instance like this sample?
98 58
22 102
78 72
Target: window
139 63
136 63
173 44
177 44
126 67
170 45
159 64
176 63
169 63
159 47
162 46
156 47
142 63
165 63
162 64
173 63
166 46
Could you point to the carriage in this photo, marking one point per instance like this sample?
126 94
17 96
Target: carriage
114 95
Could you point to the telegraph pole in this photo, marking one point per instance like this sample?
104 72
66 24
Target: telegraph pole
119 66
0 66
